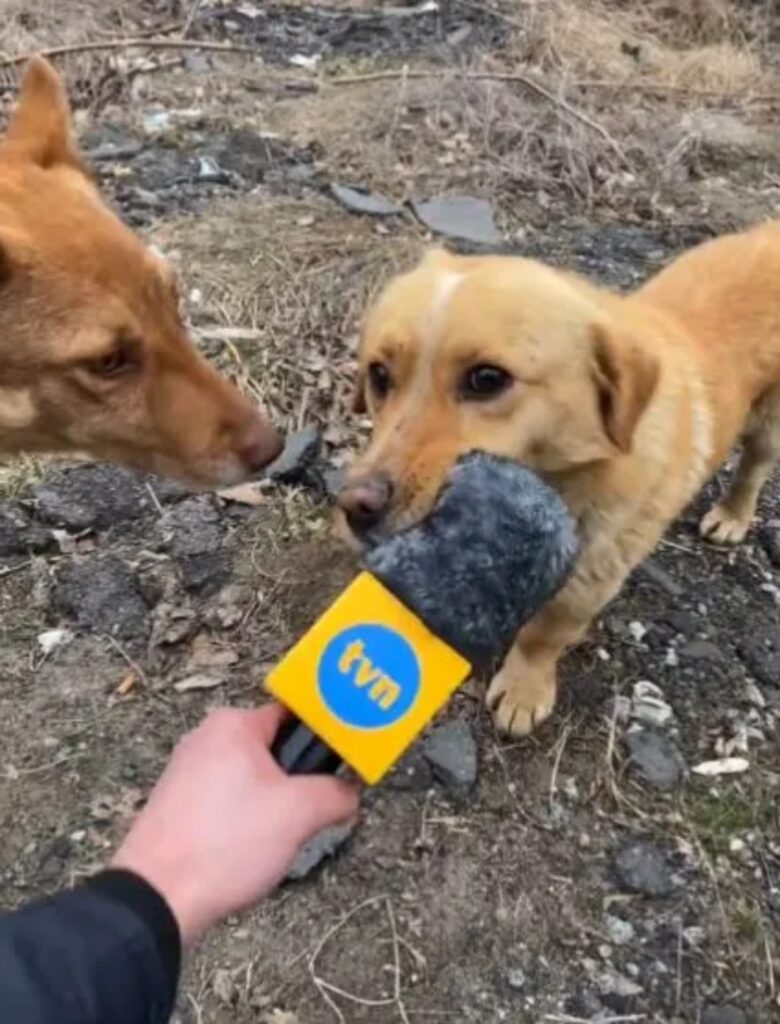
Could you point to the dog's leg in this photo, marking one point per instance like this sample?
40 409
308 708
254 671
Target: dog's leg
522 693
730 519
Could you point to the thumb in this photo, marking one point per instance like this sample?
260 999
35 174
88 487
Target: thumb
328 801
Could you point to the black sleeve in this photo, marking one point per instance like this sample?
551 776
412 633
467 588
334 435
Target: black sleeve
107 952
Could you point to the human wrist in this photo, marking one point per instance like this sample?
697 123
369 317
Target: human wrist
176 881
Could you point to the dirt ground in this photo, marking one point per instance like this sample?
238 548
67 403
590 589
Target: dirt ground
588 874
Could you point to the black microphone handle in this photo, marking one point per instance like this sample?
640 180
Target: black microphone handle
299 751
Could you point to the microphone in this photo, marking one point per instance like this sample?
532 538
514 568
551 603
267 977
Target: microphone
434 603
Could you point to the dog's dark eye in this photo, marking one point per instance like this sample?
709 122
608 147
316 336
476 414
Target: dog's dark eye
379 379
121 359
483 382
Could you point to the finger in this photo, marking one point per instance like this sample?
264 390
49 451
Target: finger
267 720
327 800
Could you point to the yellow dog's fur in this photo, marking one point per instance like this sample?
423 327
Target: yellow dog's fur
627 405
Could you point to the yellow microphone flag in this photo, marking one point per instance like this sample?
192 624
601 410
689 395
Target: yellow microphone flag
367 677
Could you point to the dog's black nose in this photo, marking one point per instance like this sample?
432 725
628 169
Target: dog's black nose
366 500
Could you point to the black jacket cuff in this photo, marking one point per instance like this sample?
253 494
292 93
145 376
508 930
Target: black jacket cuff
136 894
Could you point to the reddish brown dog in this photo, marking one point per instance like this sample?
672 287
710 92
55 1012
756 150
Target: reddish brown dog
94 356
626 405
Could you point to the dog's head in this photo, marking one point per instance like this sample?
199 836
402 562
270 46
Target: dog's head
493 353
93 352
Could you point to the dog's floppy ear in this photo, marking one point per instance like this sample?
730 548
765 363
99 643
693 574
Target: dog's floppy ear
40 129
626 375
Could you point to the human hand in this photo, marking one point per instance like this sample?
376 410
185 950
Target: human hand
224 822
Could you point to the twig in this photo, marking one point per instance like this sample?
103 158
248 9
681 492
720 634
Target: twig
192 14
11 569
50 764
155 499
130 662
676 90
495 76
557 764
126 44
327 989
133 664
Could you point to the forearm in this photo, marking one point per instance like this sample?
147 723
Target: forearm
107 952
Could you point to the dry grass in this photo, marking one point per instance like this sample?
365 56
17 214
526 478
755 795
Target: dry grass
296 276
702 45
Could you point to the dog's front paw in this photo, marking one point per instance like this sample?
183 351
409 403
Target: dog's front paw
722 526
521 695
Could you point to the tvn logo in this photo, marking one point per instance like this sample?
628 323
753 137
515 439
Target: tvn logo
369 676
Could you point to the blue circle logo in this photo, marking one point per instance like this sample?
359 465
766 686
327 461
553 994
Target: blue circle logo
369 676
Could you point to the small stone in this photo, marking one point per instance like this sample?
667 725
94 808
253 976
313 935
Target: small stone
640 866
325 844
701 650
656 758
753 695
736 845
645 690
18 536
301 451
451 752
209 172
725 1014
655 714
619 931
760 652
637 631
360 200
612 983
694 936
516 978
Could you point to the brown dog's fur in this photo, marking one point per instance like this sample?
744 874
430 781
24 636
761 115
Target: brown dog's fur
94 356
627 405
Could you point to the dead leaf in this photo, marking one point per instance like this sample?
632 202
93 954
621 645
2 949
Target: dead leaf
199 681
206 654
244 494
723 766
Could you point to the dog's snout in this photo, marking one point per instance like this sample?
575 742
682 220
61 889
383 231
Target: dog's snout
258 443
366 500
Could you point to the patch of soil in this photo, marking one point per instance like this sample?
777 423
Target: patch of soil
444 31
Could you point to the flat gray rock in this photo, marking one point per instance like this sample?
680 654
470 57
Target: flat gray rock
640 866
325 844
655 758
451 752
464 217
360 200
